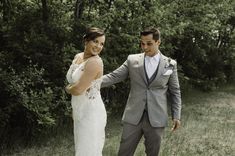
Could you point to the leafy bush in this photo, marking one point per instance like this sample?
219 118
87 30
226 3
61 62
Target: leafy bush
26 102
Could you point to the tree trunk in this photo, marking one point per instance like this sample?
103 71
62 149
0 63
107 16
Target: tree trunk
6 10
44 11
79 9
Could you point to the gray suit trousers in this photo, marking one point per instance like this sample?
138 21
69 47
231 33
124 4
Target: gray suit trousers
132 134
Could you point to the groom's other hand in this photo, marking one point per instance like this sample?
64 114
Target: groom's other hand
176 124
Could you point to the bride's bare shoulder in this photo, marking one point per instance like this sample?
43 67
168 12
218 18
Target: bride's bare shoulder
78 58
95 59
94 62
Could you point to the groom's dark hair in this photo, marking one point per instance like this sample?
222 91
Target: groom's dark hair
151 30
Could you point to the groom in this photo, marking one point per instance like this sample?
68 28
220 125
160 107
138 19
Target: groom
153 78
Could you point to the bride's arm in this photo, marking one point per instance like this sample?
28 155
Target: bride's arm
92 69
76 60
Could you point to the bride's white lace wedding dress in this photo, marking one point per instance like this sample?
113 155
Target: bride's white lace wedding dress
89 116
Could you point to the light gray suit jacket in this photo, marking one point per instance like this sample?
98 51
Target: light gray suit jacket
153 94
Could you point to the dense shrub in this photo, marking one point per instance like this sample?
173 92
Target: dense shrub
26 100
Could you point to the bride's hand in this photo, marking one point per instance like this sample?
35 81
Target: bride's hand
67 88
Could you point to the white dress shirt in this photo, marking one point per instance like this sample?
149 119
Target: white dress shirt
151 64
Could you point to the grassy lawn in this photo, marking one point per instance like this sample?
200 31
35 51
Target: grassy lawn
208 129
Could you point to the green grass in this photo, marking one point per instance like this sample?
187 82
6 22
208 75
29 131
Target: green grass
208 129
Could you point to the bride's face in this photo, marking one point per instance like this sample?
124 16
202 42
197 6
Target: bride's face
95 46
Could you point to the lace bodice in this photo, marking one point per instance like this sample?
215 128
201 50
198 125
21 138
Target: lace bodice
75 72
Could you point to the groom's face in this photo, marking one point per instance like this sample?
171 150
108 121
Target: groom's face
148 45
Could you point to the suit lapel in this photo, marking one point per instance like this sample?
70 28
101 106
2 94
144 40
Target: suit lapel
141 67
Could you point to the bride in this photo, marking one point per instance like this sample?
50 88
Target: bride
89 114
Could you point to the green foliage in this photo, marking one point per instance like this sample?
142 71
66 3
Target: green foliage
26 99
32 72
39 40
201 40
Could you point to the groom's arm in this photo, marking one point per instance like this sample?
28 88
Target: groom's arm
116 76
175 94
175 97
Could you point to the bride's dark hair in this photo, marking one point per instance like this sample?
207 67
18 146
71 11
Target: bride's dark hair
92 33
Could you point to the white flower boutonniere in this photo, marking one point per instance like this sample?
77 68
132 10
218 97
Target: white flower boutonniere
170 62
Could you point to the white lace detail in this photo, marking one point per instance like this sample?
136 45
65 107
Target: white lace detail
94 90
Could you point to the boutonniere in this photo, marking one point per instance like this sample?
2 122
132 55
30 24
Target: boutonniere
169 63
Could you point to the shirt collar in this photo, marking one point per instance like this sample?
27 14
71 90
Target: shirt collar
155 57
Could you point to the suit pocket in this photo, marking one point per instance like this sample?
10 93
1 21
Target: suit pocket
164 79
168 72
